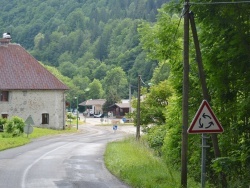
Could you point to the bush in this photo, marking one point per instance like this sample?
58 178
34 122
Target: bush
15 126
9 127
155 138
2 123
70 116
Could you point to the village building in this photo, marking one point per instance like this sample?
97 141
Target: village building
93 106
119 110
27 89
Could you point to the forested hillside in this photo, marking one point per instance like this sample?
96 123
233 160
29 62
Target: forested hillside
98 47
84 39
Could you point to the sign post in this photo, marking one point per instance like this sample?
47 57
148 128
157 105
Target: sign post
204 122
115 127
28 129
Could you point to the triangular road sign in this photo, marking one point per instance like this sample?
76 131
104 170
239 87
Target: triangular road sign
205 121
29 121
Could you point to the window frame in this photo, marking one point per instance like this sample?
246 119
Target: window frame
5 116
4 96
45 118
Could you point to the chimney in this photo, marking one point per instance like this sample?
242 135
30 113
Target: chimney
6 39
6 36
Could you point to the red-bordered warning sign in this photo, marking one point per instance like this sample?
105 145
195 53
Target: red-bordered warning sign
205 121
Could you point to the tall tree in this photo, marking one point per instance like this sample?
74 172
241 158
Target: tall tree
95 90
115 85
226 55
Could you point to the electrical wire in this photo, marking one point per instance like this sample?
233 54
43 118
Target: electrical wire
178 26
143 82
216 3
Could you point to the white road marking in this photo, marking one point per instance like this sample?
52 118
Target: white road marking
32 164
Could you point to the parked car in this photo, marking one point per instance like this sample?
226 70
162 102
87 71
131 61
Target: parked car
99 116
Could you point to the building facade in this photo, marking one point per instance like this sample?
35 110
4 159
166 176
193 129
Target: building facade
27 89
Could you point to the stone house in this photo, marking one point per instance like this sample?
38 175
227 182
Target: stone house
27 89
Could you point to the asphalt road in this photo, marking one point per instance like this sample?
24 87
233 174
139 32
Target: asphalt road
64 161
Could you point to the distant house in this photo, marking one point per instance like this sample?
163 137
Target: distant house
119 110
28 89
93 106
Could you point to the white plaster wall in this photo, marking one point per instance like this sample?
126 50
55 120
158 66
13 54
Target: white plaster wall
35 103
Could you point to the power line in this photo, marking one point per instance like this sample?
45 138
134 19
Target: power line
217 3
143 81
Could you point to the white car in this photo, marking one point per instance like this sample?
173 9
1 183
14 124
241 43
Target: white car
99 116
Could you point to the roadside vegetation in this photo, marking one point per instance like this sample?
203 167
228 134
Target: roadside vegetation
99 52
13 132
7 142
135 164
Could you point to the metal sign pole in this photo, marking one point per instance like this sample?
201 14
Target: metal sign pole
203 160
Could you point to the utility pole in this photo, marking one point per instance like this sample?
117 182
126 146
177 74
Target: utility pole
206 96
77 115
129 98
138 109
185 96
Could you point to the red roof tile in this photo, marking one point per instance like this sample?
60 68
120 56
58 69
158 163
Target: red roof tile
20 70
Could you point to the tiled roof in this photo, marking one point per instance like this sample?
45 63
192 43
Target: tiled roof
93 102
21 71
121 105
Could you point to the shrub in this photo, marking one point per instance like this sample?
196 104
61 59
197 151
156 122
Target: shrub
9 126
155 138
15 126
70 116
2 123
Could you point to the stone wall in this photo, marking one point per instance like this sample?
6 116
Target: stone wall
34 103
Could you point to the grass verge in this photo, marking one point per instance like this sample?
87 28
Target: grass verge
135 164
11 142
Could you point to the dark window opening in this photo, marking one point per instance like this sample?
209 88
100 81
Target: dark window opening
5 116
45 118
4 96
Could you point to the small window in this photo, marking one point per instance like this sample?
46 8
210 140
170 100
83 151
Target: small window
4 96
5 116
45 118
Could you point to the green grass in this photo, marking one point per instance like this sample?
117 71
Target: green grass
135 164
7 142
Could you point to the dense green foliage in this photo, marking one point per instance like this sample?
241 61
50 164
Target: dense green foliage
100 47
153 104
83 39
14 126
223 30
227 57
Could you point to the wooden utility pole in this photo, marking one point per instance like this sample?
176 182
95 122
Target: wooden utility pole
138 127
206 95
129 98
185 91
